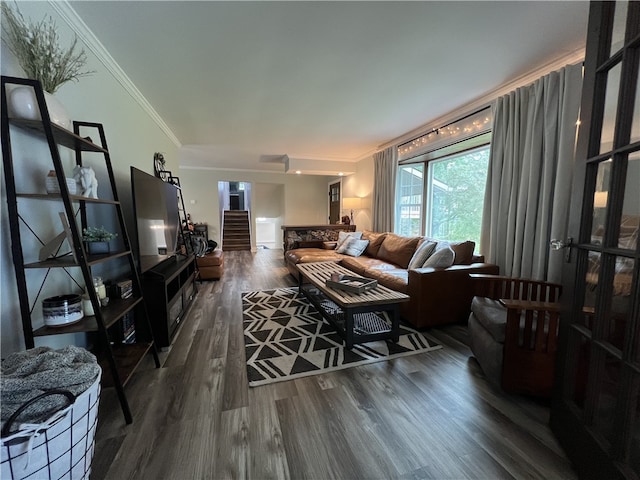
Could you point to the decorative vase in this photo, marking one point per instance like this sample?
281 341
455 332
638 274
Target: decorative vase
97 248
23 104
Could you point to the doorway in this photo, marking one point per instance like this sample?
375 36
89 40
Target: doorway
335 190
269 214
236 226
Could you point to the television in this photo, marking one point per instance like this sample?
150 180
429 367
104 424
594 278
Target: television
155 205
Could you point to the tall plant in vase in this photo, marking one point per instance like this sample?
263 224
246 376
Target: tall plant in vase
38 51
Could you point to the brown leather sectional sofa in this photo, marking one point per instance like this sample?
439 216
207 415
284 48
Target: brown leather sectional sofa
438 295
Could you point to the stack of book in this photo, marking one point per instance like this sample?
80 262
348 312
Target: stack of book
128 328
123 289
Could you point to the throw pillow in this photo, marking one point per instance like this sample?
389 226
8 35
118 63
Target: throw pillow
442 258
463 251
423 252
375 240
397 249
355 248
343 236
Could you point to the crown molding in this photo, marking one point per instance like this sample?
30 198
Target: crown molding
69 15
488 98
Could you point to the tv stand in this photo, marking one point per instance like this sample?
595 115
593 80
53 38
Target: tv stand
169 289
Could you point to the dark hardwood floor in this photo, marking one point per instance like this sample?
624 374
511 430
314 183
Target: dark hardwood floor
431 415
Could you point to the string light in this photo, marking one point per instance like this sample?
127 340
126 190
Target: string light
452 130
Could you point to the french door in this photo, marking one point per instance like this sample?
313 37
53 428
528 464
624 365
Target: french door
596 405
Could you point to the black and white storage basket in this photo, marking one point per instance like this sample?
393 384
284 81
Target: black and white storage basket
60 448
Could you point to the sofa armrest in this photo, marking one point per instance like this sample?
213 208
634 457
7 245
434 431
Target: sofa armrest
442 296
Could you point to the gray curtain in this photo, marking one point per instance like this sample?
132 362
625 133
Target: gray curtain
530 174
385 165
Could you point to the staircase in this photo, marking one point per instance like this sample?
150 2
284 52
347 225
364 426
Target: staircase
235 230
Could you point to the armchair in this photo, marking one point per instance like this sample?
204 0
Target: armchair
513 329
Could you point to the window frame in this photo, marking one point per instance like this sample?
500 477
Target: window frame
456 148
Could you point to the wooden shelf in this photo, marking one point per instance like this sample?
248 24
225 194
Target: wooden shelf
110 315
61 135
68 262
58 197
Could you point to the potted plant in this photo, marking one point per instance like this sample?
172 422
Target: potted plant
37 48
97 239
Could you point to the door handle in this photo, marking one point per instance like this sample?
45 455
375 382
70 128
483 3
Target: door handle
556 244
559 244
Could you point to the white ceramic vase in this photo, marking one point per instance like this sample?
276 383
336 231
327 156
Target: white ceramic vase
23 104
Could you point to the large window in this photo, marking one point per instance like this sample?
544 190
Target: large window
409 204
440 194
455 195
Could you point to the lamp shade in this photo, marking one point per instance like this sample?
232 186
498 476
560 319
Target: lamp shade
600 199
352 203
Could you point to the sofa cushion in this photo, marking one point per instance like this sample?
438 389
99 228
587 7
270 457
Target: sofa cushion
424 250
354 264
308 255
397 249
355 248
492 315
375 240
396 279
442 258
363 262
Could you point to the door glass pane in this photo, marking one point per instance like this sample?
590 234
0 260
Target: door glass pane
600 202
630 221
607 395
634 446
592 289
616 327
619 23
580 358
635 123
610 106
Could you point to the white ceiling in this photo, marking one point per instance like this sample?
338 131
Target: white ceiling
241 84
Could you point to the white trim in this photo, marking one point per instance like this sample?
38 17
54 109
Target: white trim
486 100
226 169
69 15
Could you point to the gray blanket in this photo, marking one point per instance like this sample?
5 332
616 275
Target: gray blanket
25 375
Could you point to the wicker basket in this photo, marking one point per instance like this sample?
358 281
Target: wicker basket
60 448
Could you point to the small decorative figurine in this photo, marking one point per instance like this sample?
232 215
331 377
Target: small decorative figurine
86 177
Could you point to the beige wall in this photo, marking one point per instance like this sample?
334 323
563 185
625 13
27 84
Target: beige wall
305 196
360 184
132 138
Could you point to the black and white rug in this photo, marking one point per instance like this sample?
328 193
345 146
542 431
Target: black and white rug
285 337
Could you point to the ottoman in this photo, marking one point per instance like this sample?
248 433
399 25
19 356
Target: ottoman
211 265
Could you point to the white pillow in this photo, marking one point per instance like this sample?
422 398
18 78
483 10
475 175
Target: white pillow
343 236
442 258
421 254
355 247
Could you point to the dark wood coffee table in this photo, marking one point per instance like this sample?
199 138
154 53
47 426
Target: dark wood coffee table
358 317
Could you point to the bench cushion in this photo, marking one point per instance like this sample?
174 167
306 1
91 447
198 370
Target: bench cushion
492 315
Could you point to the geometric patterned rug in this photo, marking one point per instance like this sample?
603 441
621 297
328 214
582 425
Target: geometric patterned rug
286 337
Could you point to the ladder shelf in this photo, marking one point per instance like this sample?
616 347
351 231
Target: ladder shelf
118 359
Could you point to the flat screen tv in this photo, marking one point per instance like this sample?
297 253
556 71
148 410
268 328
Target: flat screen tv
155 204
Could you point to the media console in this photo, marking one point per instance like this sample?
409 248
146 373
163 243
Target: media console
169 289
